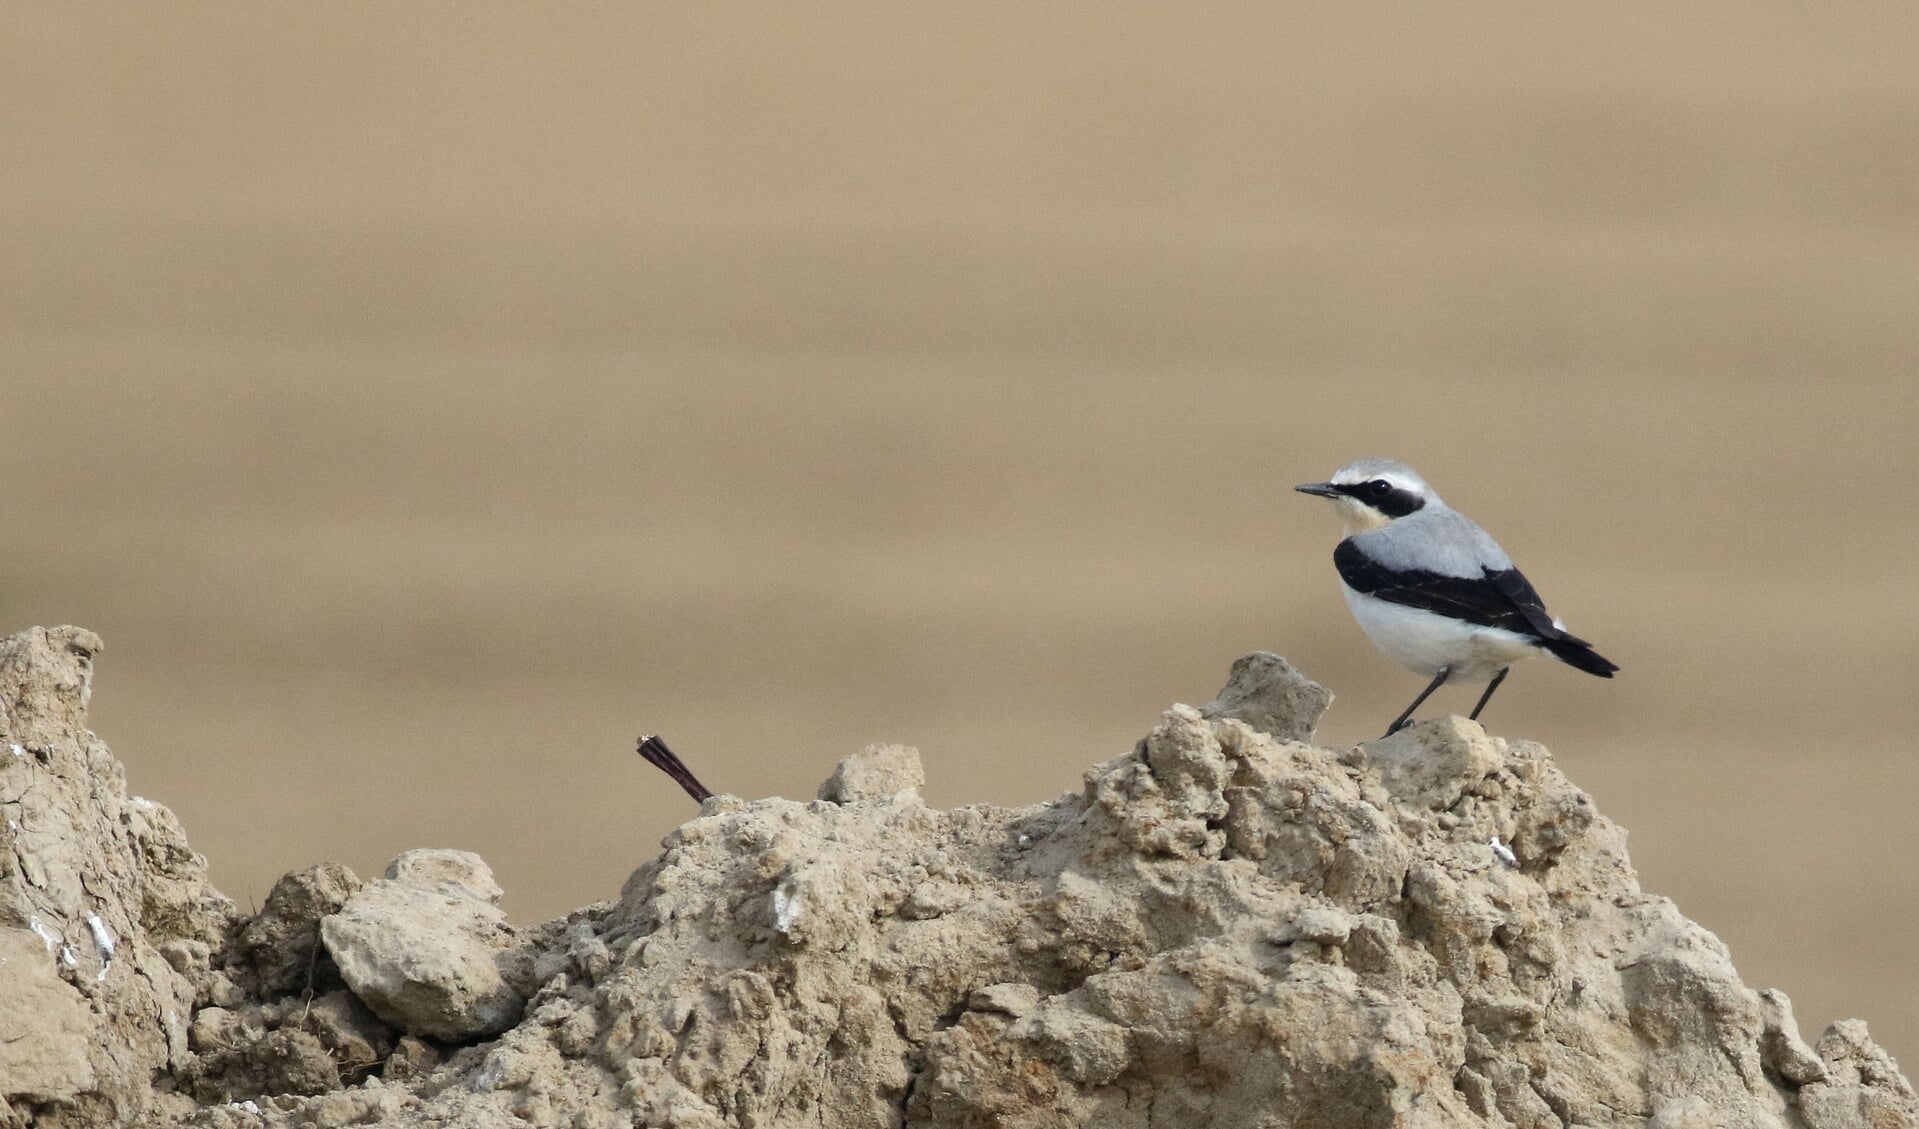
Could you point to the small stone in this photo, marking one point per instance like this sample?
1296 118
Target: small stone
348 1029
1851 1056
221 1029
284 1062
876 773
424 949
428 868
1434 763
412 1057
278 945
1780 1047
1322 924
1271 695
223 992
1005 999
933 898
337 1110
1686 1113
187 957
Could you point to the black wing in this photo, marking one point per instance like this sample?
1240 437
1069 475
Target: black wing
1502 598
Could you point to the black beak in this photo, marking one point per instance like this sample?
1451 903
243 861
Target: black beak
1322 489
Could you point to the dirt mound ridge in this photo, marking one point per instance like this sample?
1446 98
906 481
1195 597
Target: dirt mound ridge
1227 926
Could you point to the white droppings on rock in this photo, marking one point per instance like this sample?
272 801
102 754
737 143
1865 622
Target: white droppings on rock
47 936
788 903
103 943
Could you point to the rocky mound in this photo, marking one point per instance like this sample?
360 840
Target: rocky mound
1227 926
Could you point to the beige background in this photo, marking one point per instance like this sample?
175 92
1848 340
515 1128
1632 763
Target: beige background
424 402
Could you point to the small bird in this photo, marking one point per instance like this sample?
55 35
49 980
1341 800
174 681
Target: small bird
1432 590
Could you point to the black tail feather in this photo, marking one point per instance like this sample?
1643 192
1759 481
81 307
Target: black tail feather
662 758
1578 654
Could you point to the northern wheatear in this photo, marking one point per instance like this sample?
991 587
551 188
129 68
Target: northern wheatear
1432 591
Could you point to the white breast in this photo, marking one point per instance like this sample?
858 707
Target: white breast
1424 641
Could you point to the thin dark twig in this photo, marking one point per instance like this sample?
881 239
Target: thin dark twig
662 758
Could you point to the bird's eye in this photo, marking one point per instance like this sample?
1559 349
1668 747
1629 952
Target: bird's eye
1379 488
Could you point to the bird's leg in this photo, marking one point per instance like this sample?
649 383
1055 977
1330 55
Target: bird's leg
1488 695
1404 719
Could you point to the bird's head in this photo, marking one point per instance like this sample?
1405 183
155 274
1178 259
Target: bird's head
1369 493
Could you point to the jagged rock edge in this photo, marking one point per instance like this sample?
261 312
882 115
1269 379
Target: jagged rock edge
1170 804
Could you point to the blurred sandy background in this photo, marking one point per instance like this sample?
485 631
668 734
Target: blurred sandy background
425 402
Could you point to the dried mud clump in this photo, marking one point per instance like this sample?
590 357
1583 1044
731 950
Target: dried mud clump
1227 926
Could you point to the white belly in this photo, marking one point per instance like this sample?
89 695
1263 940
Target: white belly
1423 641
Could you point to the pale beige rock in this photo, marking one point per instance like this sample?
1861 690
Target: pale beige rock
348 1029
1006 999
455 872
278 950
44 1025
412 1058
1863 1088
1433 763
875 773
1781 1047
109 879
424 947
1270 695
1222 928
1685 1113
